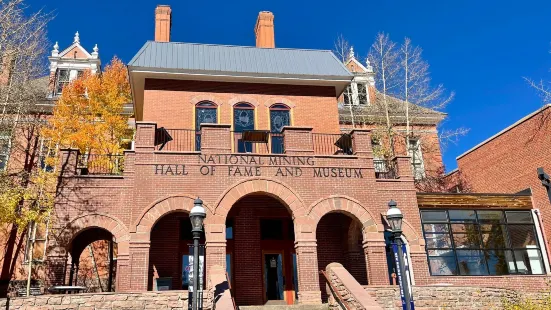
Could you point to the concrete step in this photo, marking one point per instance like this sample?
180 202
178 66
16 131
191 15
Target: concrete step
270 306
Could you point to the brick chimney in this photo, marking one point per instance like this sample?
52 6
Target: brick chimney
264 30
162 23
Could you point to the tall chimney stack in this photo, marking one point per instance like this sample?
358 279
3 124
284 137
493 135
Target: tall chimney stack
264 30
162 23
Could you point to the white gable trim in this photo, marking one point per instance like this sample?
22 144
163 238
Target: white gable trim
357 63
65 51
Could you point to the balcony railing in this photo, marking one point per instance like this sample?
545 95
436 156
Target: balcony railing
177 140
252 141
96 164
385 169
332 144
258 142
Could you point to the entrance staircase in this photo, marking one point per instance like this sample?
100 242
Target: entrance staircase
345 293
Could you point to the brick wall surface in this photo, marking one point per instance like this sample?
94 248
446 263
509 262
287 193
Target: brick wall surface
171 103
508 163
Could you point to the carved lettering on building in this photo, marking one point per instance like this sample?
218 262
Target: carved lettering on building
171 169
256 166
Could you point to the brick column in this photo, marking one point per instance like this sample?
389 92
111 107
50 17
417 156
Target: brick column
298 140
123 273
403 164
144 139
69 162
215 246
308 272
361 142
129 159
215 138
138 266
375 259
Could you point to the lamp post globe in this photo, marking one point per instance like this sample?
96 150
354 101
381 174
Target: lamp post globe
197 215
394 217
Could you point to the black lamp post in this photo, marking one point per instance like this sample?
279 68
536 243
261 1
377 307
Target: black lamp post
394 217
197 216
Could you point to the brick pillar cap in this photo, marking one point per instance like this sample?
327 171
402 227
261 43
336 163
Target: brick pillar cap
297 128
146 123
212 125
360 130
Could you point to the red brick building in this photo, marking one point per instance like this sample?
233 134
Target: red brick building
255 133
507 162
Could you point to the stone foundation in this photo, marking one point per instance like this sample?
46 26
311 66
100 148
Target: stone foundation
170 300
443 297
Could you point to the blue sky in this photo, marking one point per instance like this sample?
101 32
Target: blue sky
479 49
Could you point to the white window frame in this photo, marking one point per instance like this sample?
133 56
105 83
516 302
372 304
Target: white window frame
415 152
354 95
8 151
543 246
31 241
59 90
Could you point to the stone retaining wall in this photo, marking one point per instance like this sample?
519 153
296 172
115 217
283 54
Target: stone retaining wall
170 300
443 297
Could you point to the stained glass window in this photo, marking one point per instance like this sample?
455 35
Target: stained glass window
243 120
481 242
205 113
279 118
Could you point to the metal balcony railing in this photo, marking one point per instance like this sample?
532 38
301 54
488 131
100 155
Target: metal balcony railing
385 169
177 140
258 142
332 144
97 164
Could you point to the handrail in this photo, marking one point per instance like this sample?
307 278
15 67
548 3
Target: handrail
334 290
231 292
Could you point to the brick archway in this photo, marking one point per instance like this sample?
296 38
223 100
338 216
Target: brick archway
274 188
285 101
150 215
347 205
95 220
209 97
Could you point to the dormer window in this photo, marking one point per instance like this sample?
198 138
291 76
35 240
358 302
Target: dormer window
362 94
62 80
356 94
417 162
64 76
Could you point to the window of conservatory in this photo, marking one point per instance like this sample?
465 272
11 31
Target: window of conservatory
481 242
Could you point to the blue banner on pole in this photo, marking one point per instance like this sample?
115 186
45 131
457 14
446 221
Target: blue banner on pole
399 275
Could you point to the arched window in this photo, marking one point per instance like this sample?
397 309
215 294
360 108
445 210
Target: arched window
205 113
279 118
243 120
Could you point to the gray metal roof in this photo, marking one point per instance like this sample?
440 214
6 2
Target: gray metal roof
240 61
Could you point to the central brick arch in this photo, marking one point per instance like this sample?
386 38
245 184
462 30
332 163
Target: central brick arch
151 214
274 188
